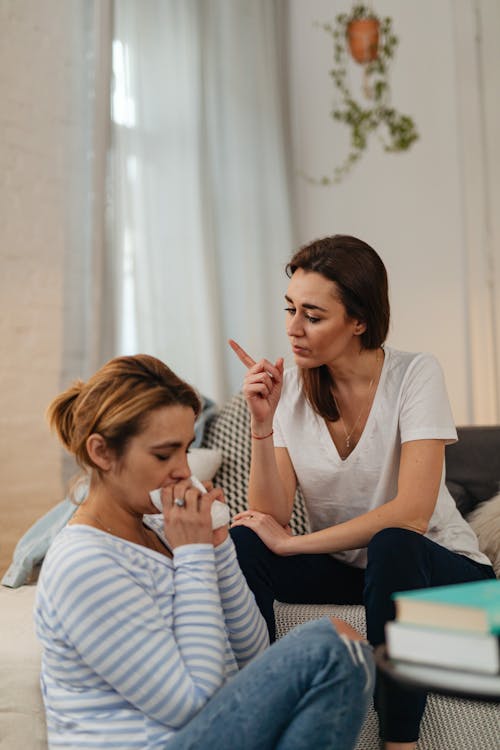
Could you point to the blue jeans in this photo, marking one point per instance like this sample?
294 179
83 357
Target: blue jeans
398 560
311 689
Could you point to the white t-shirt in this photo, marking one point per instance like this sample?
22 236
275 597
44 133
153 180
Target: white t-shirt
411 403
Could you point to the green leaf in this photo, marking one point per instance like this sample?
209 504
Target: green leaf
361 119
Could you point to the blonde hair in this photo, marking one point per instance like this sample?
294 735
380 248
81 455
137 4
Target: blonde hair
115 403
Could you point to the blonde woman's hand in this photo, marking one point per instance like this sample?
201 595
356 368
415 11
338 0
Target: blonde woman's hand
186 513
216 493
261 387
218 535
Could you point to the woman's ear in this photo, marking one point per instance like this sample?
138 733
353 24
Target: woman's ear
99 452
359 328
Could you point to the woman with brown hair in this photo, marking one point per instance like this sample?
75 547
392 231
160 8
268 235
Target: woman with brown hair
362 428
146 620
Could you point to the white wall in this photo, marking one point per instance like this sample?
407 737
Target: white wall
409 206
42 61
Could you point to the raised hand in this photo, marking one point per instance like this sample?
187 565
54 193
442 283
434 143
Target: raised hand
261 387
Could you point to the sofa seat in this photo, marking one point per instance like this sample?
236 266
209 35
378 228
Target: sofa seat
22 716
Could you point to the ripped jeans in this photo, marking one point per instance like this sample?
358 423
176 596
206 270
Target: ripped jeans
311 689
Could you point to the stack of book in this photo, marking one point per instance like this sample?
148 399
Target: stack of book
452 627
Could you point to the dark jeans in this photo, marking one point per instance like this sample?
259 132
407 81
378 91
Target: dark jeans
398 560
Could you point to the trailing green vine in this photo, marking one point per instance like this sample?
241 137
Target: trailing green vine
364 119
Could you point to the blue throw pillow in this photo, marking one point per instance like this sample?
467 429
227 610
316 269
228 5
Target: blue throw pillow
33 545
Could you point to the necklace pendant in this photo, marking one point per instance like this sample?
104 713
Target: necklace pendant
347 443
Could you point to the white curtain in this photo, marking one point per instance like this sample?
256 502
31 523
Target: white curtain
88 315
477 24
201 212
88 335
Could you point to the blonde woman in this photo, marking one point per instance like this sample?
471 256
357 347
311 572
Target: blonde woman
146 620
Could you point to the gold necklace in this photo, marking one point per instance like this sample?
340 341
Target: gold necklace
146 543
348 435
94 518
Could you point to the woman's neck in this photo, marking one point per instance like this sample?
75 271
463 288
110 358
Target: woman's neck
357 368
102 510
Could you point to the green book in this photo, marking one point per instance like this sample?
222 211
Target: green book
463 606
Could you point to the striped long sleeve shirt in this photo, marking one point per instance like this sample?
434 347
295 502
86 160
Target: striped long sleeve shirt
135 643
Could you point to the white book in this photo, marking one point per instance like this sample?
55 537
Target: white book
454 649
454 681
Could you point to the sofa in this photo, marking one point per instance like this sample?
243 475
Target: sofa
473 475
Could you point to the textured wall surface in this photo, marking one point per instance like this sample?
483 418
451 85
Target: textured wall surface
40 57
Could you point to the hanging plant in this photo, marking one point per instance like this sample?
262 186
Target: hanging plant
371 42
362 33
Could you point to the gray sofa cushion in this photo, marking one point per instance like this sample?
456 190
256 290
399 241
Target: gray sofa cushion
473 466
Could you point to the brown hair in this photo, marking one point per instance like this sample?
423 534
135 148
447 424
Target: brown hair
115 403
361 281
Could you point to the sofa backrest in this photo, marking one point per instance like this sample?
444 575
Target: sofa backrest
229 431
473 466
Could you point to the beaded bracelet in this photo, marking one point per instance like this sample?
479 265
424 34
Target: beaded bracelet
262 437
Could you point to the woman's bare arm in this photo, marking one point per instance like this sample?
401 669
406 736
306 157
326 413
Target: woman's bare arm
272 482
418 486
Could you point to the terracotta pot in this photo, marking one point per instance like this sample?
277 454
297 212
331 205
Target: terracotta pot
362 36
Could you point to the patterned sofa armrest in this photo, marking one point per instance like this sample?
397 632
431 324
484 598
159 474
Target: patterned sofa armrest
229 431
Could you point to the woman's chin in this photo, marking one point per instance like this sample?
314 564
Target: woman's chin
304 360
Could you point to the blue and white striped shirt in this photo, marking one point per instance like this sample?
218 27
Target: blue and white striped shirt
135 643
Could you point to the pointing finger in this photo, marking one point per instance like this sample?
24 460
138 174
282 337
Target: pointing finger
242 355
